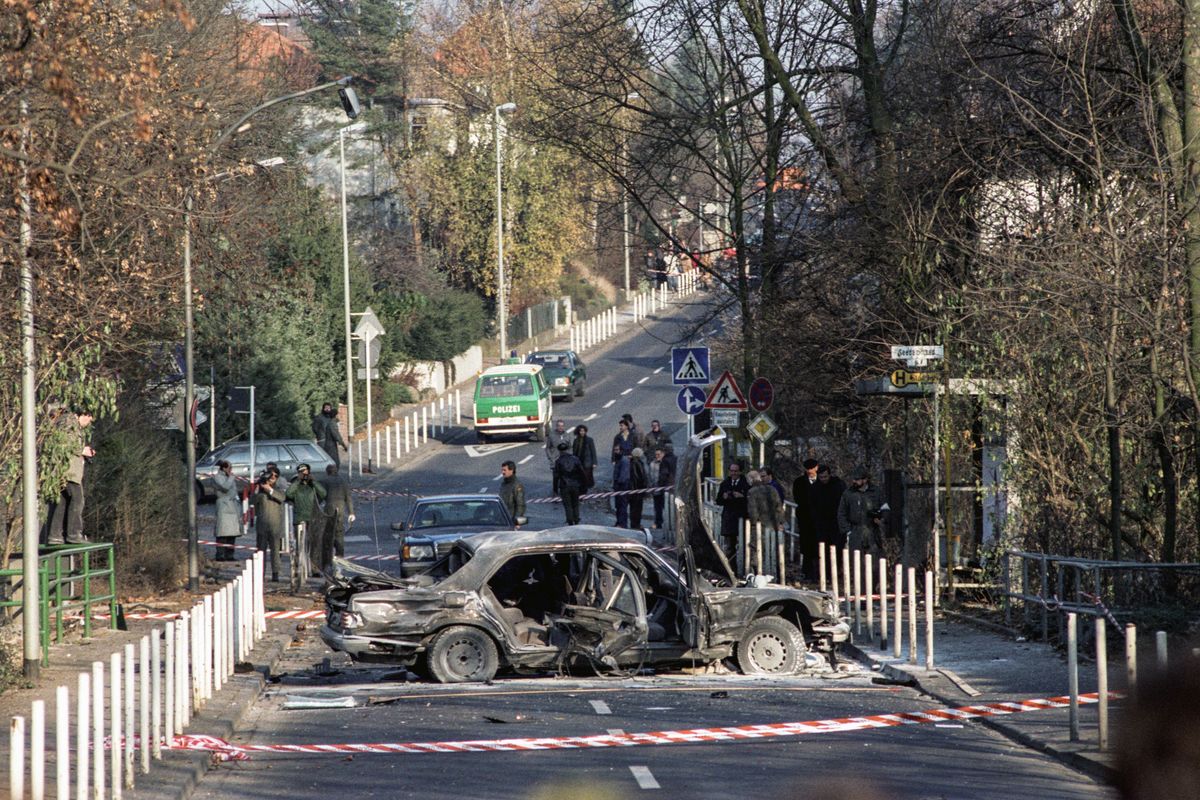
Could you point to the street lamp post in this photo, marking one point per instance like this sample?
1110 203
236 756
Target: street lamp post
501 303
350 105
346 298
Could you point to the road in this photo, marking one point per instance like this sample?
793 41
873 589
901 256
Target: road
936 760
627 374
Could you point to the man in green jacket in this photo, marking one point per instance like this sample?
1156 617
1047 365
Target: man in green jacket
306 496
512 491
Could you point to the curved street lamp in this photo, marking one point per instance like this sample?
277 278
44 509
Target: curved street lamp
501 304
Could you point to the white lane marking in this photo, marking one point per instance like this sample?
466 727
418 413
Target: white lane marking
643 380
660 369
644 778
482 490
357 538
627 391
615 732
610 404
600 706
497 478
590 417
526 459
480 450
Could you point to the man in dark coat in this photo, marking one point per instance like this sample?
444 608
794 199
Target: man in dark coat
339 508
656 438
731 497
65 523
860 516
826 496
804 490
556 437
268 517
662 473
584 448
325 431
639 478
568 482
512 491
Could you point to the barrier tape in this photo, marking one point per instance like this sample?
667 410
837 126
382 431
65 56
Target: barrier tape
219 546
242 752
306 614
376 493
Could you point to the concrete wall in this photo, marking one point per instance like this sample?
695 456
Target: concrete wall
431 374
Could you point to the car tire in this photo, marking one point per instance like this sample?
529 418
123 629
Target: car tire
462 654
540 433
580 389
771 646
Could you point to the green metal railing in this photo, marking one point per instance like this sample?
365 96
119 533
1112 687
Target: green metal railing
66 578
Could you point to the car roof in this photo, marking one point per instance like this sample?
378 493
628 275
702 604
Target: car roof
567 536
549 353
457 498
513 369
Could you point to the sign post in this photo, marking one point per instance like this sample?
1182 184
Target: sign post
368 332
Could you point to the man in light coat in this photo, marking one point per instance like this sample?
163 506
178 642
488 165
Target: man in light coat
229 511
269 517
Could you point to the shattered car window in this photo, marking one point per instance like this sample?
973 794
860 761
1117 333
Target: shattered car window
449 564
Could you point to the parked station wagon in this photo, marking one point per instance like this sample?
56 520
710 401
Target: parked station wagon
580 595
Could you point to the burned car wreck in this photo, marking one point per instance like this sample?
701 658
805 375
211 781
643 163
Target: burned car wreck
580 596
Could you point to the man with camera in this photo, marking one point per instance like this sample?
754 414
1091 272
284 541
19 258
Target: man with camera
268 503
306 495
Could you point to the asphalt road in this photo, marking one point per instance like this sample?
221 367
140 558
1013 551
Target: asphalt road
627 374
942 760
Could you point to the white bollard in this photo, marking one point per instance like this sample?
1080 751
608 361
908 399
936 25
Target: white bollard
83 725
183 641
929 604
847 577
114 727
424 424
205 648
16 758
856 557
1073 675
869 591
883 604
821 567
144 701
127 694
37 750
1130 657
260 597
98 783
397 426
1160 649
1102 681
912 615
62 743
458 407
898 627
156 691
406 436
833 576
387 445
361 463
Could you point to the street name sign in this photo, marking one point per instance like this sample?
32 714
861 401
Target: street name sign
689 366
726 419
726 394
763 427
690 400
917 355
761 394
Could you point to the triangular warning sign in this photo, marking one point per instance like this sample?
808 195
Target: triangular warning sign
726 394
690 369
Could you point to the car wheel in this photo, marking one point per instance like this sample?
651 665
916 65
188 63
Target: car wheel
770 646
463 654
580 389
540 433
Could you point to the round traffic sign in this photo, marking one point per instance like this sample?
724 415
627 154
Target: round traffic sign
690 400
761 394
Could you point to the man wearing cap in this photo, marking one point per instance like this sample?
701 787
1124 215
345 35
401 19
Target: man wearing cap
859 516
569 478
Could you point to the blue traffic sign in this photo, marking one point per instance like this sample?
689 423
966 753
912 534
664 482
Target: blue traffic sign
690 400
689 366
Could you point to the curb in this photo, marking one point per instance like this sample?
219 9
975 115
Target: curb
178 775
923 682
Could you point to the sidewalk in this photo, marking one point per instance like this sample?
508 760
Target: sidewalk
974 665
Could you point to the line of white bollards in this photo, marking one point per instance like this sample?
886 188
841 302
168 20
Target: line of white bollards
149 692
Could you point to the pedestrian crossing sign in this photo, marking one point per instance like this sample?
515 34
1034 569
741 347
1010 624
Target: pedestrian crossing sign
726 394
689 366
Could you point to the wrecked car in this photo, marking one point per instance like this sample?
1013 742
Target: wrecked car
578 596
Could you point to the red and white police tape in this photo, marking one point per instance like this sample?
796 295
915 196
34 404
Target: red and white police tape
227 751
375 493
393 557
310 613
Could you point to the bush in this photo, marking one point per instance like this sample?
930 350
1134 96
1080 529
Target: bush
447 325
395 394
136 499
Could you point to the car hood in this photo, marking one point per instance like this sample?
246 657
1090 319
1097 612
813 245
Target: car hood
444 534
691 533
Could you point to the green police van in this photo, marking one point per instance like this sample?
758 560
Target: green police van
512 398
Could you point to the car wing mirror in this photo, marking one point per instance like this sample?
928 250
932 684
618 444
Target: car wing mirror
397 526
522 520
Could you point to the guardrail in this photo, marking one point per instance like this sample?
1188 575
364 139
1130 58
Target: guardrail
66 574
1092 587
166 689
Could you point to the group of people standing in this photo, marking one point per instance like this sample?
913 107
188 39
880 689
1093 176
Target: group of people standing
321 507
827 511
